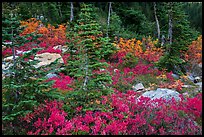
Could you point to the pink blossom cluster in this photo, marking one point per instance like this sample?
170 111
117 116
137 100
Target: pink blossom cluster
47 119
124 116
128 75
62 82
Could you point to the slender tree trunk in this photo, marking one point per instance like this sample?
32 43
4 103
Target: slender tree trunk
109 13
59 8
13 51
42 5
157 22
86 74
31 9
170 24
72 13
43 12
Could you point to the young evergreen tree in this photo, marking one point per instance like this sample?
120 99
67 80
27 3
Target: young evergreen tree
25 86
87 48
180 35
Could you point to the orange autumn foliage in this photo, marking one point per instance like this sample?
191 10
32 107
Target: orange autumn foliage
31 25
51 35
130 46
177 84
194 53
151 52
144 49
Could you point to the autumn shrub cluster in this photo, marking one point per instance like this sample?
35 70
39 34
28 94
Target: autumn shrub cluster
51 37
124 115
118 113
124 76
193 56
194 53
144 49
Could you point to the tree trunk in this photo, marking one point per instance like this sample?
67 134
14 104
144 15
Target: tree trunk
13 52
157 22
72 13
86 75
109 12
43 11
60 12
86 71
170 24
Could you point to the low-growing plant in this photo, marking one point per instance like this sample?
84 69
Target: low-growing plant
124 116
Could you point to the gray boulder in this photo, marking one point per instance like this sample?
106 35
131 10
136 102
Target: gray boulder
164 93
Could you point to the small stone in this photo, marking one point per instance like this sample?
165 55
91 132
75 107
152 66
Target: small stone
175 76
10 58
64 49
19 52
186 86
200 65
200 85
51 75
138 86
197 79
7 43
186 94
58 47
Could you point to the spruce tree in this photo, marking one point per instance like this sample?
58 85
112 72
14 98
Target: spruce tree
86 49
25 86
182 35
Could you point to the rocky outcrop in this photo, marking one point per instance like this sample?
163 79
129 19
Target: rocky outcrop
47 58
164 93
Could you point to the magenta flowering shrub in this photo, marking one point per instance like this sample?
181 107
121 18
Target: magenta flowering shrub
123 116
192 106
6 52
62 82
47 119
125 77
50 50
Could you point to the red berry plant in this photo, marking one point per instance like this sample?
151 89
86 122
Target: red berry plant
124 115
51 37
62 83
194 53
47 119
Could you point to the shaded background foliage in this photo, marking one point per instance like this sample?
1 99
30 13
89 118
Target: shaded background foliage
135 16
